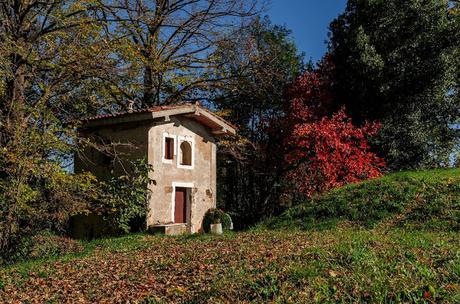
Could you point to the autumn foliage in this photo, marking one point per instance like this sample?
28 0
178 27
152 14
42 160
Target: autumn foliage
324 151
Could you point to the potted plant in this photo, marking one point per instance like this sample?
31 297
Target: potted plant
216 226
214 217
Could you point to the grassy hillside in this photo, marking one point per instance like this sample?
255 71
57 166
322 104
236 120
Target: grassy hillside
392 240
345 265
428 200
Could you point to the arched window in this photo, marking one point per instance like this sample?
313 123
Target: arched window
185 153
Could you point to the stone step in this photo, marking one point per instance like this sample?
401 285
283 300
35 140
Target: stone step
171 229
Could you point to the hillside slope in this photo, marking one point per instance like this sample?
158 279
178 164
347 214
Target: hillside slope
428 200
347 264
343 265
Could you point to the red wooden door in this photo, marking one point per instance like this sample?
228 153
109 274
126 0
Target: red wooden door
180 206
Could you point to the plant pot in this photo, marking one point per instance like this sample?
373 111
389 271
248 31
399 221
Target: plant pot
216 228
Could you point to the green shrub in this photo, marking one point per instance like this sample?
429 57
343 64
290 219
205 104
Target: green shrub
428 200
125 198
44 244
43 202
214 216
120 207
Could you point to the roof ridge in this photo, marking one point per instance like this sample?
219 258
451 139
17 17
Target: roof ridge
142 110
180 108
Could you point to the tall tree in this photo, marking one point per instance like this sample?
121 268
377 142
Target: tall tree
397 62
49 51
165 47
257 67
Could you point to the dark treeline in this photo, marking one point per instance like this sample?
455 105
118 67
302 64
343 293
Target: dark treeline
391 62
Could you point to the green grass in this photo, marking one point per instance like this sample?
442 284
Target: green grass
427 200
389 240
334 265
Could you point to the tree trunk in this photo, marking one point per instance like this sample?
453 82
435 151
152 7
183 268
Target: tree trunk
149 90
15 102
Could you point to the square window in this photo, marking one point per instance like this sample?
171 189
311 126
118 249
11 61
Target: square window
168 148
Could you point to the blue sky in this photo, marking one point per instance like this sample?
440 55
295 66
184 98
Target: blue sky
308 20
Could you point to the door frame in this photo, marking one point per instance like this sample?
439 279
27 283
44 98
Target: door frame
188 200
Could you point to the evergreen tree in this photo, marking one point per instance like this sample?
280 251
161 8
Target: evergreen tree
397 62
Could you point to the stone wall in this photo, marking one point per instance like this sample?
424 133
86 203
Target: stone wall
130 141
140 140
166 175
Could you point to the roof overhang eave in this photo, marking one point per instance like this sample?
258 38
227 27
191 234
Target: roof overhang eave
217 125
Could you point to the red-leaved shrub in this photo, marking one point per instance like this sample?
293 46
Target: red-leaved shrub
324 150
331 152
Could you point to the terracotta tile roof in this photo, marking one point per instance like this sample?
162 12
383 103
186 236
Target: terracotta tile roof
149 110
157 109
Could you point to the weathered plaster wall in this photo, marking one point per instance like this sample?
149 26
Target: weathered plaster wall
203 174
141 140
131 143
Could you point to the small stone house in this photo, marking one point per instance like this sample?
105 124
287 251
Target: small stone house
179 142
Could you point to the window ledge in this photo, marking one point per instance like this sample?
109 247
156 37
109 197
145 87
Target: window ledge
185 167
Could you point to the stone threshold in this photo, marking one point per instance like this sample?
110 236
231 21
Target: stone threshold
169 229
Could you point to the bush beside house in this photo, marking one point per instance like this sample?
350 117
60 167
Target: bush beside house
215 216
